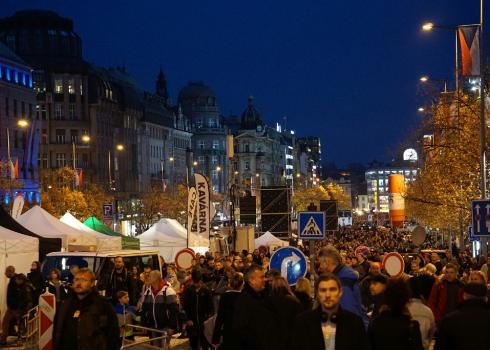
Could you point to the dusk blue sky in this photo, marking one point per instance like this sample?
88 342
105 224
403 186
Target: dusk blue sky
346 71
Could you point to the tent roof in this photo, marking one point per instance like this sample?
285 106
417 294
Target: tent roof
127 242
14 242
46 225
269 239
46 245
165 231
93 223
72 221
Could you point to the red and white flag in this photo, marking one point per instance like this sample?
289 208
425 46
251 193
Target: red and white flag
469 43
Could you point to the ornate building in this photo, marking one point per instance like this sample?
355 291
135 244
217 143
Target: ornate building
209 133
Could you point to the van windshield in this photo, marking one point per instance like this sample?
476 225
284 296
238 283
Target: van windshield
63 264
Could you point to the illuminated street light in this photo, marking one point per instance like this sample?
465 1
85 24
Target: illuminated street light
120 147
257 174
424 78
421 109
85 138
236 172
171 159
427 26
194 163
218 168
23 123
298 175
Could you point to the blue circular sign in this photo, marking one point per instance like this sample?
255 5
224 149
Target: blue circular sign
290 262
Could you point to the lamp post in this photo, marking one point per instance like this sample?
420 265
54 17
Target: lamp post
483 152
85 139
22 123
119 148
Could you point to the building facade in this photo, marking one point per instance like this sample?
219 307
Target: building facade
18 144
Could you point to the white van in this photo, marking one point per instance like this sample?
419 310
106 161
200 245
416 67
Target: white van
99 262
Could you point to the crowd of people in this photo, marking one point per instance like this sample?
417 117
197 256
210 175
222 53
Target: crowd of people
346 300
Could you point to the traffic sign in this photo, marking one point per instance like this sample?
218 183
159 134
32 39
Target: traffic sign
311 225
393 264
107 211
291 262
480 215
183 258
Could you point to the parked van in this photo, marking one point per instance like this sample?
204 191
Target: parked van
99 262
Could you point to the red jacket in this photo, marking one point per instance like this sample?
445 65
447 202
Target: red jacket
438 298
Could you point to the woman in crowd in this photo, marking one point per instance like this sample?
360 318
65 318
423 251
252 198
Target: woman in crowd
223 334
394 328
303 293
56 287
36 279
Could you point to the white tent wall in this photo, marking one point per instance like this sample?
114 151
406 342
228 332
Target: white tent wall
104 242
19 251
271 241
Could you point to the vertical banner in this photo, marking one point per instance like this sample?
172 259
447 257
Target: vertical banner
17 206
203 209
192 235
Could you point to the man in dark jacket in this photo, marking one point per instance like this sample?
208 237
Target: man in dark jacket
255 324
329 326
198 306
85 321
19 300
467 327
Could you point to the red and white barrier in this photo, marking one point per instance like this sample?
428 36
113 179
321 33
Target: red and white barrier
47 310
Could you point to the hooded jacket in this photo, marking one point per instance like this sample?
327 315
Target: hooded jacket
351 292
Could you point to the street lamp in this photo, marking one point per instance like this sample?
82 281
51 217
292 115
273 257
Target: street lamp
194 163
421 109
427 26
85 139
120 148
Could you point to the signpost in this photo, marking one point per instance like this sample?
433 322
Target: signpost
480 218
311 225
291 262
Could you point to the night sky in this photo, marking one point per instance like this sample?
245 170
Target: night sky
346 71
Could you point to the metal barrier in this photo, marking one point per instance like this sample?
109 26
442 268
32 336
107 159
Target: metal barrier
163 339
30 331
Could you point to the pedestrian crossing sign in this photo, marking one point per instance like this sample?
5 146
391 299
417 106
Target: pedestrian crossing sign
311 225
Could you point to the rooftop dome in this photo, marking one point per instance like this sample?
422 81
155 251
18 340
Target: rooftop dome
251 118
196 90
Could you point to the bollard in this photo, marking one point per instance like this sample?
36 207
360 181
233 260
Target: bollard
47 310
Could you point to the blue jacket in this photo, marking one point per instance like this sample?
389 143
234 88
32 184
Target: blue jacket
351 292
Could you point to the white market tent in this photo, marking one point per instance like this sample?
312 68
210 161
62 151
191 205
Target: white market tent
165 236
269 240
44 224
104 242
19 251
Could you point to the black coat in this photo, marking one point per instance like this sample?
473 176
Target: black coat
286 308
255 323
19 297
96 328
350 333
466 328
223 326
305 300
198 304
388 331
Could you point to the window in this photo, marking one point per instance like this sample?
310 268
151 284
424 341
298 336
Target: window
58 111
247 165
198 123
74 136
71 86
247 147
44 137
7 106
201 159
215 144
42 160
15 108
58 86
211 122
201 144
214 175
43 112
72 111
214 160
60 160
60 136
81 89
23 109
85 160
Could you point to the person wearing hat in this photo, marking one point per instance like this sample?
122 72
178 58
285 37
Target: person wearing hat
467 327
